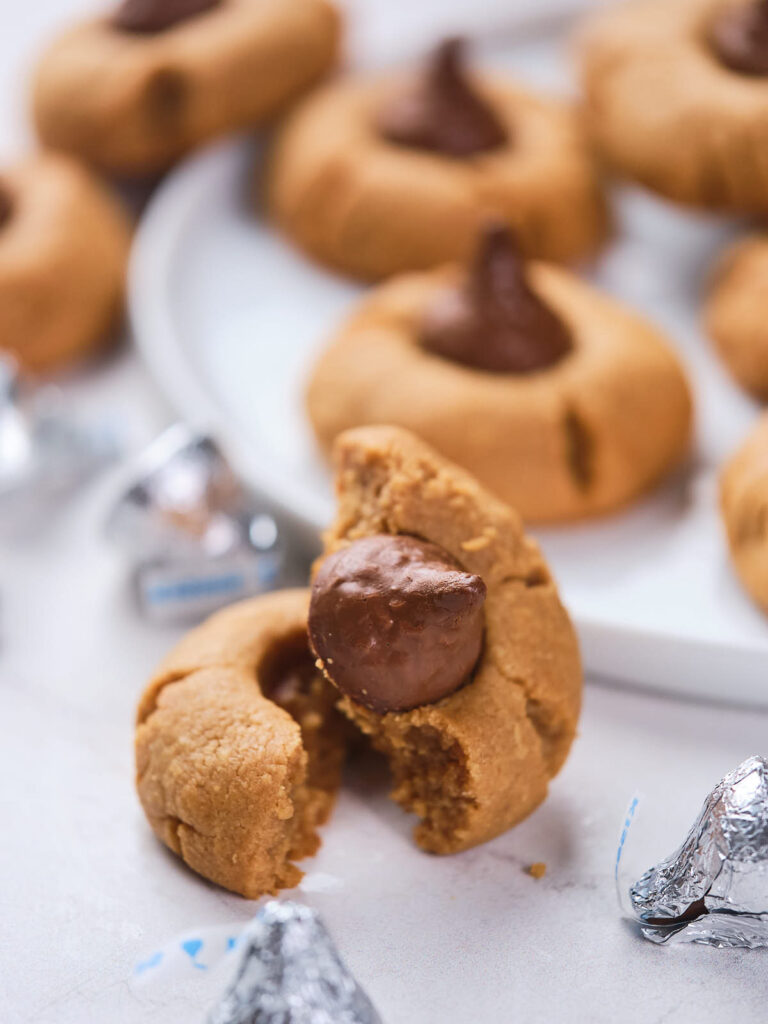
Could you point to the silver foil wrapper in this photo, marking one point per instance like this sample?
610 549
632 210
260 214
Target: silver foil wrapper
714 888
46 452
291 973
197 537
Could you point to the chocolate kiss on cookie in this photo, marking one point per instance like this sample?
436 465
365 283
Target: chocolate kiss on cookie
156 15
396 622
739 37
495 321
442 111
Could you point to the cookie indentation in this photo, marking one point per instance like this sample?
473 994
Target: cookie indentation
287 675
287 670
579 449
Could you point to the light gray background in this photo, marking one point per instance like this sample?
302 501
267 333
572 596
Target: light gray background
85 891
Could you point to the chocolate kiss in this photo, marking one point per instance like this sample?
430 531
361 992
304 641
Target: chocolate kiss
739 37
396 622
442 112
155 15
496 322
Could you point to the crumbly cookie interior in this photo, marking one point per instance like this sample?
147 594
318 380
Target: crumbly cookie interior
287 676
429 770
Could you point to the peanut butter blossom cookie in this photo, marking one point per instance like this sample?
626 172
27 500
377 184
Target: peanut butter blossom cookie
744 501
437 619
379 176
434 627
239 748
736 313
677 98
63 249
135 90
554 396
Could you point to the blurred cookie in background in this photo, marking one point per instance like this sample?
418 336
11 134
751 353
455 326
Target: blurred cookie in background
744 502
375 176
677 98
558 399
133 91
735 313
64 243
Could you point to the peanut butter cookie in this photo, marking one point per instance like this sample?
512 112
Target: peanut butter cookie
374 177
239 748
744 502
134 91
735 313
677 98
439 634
558 399
63 249
438 620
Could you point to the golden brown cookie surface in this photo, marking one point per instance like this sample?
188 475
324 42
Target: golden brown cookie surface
735 313
133 102
744 502
370 207
239 748
63 250
583 436
479 760
666 111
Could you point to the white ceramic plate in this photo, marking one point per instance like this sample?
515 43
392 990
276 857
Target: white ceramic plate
228 316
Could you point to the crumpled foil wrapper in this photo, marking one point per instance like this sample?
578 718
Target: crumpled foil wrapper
291 973
46 452
714 888
197 537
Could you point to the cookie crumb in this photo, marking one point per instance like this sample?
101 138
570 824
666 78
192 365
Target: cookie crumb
537 870
476 543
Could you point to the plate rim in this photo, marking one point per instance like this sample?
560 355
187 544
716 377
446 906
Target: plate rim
159 343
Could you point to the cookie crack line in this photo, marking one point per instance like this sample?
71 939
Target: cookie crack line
181 675
177 824
537 577
579 448
530 699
